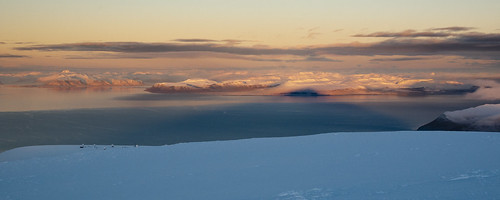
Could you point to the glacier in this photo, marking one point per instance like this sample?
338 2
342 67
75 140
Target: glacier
346 165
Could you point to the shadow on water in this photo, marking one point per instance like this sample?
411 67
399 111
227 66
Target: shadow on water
170 125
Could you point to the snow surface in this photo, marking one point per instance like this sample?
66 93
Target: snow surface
371 165
487 115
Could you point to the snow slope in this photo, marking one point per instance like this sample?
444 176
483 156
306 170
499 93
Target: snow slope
371 165
481 118
205 85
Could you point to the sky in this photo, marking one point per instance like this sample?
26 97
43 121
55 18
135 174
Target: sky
418 38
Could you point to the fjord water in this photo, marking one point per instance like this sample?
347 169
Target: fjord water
42 116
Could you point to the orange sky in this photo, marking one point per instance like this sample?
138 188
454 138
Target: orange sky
388 36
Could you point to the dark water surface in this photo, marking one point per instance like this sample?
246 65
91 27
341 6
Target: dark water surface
135 117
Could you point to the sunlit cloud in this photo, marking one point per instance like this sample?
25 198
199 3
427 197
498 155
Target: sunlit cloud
20 74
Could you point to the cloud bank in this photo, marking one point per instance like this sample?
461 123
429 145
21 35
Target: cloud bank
488 89
438 41
12 56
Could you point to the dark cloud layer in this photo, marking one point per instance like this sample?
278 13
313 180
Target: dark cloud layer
453 28
407 33
315 58
434 32
195 40
470 44
12 56
398 59
138 47
478 45
201 40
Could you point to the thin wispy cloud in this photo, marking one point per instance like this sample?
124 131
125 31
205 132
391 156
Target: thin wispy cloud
23 43
312 33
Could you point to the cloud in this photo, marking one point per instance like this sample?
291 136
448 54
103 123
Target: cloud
342 84
23 43
407 43
488 90
195 40
112 56
484 117
12 56
314 58
139 47
398 59
234 42
20 74
183 55
406 33
312 33
434 32
466 45
453 28
200 40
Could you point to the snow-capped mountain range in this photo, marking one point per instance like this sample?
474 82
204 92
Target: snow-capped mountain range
205 85
67 78
324 83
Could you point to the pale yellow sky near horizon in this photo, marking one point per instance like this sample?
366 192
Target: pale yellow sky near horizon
277 23
274 24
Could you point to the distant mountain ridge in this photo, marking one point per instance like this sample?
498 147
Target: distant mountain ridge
205 85
67 78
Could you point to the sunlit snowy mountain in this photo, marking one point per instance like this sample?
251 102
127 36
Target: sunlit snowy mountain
481 118
205 85
67 78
